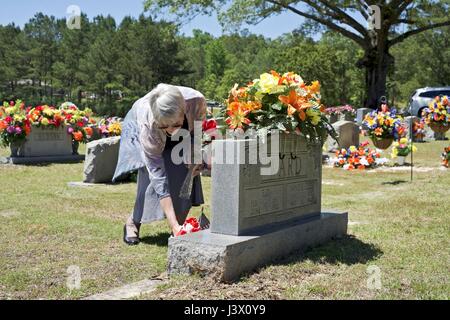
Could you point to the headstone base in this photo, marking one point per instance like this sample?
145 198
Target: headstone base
227 257
43 159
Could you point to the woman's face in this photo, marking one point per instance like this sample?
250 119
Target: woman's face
172 127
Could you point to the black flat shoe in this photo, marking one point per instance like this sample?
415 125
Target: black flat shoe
131 241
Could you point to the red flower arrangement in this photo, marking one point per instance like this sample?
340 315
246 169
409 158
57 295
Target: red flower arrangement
190 225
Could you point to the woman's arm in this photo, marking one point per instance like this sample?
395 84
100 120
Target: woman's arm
154 162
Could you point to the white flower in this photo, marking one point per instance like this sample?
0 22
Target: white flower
364 161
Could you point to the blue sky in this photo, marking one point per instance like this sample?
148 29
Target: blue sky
20 11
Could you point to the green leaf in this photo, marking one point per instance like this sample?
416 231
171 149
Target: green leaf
281 126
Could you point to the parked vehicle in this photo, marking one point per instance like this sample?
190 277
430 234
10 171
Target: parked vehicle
422 97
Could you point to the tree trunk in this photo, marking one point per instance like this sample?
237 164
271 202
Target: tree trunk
376 66
376 62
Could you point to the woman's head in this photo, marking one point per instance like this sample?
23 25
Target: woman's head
168 107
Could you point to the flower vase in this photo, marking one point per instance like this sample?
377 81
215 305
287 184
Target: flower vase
75 145
400 160
17 149
382 144
439 127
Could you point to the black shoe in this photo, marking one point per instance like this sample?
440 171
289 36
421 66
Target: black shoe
131 241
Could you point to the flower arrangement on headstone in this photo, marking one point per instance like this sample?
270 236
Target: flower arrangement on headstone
79 124
14 126
333 114
361 158
401 149
446 157
281 102
383 127
347 112
110 127
437 115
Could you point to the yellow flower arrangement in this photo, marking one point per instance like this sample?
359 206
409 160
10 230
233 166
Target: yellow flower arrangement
278 101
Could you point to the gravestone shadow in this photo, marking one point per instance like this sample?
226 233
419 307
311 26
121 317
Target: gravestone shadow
160 239
347 250
394 183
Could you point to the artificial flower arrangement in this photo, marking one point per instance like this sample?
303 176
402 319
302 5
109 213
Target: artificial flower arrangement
360 158
384 127
274 101
446 157
78 122
45 116
14 125
189 226
419 130
437 115
347 109
110 127
402 149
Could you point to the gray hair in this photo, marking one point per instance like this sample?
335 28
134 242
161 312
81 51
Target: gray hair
166 103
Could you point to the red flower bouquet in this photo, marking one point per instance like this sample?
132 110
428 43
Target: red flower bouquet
190 225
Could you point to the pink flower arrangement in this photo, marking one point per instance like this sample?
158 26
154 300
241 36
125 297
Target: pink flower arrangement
347 109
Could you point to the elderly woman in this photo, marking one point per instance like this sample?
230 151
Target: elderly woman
146 146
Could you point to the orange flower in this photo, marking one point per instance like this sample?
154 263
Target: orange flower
3 125
314 88
89 131
77 135
361 167
277 75
237 93
252 105
378 131
237 115
445 101
295 103
27 130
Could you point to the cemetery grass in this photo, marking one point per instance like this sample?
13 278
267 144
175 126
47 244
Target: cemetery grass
396 227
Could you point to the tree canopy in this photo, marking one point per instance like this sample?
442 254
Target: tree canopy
342 16
108 64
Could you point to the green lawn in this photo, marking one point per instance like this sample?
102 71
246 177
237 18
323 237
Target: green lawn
398 226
